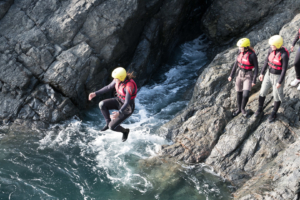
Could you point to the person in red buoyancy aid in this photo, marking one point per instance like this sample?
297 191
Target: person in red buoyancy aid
126 90
245 80
296 62
273 75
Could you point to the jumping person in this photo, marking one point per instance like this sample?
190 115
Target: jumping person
126 90
277 60
245 79
297 62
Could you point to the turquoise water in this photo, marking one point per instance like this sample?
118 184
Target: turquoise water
74 160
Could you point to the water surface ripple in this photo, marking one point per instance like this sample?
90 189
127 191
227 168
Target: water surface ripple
74 160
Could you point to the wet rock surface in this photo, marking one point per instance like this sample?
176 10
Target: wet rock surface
63 50
258 157
227 19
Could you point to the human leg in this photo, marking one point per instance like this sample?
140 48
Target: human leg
246 94
262 94
239 93
115 124
297 69
105 106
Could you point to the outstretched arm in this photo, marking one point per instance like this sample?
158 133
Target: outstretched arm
103 90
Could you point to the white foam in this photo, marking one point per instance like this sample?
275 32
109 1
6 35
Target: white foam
154 106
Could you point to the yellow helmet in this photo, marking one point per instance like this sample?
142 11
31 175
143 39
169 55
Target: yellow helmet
119 73
244 42
276 40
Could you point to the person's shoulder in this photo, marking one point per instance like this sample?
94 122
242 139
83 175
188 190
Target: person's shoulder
284 52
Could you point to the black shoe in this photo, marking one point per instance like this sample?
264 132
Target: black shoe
259 111
239 98
245 113
236 113
261 101
105 127
272 117
125 135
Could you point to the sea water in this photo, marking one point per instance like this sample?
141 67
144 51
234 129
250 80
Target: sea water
75 160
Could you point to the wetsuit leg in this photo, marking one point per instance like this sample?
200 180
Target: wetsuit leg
115 124
261 101
273 115
239 98
246 94
106 105
297 64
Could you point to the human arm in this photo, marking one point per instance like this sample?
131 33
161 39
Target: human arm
295 41
263 70
106 89
102 90
126 103
285 63
233 71
253 60
120 113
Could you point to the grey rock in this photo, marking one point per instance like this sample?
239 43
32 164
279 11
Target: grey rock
225 20
258 157
69 73
4 6
72 47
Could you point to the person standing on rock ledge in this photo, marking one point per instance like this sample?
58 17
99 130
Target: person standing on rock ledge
245 80
277 59
126 90
297 62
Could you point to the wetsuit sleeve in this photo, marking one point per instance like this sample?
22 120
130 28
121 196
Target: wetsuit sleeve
233 69
105 89
253 60
126 103
285 63
296 39
263 70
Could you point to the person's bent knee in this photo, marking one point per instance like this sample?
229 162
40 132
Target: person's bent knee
111 127
101 105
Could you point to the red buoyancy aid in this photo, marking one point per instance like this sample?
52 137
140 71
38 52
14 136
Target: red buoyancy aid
275 60
130 85
244 62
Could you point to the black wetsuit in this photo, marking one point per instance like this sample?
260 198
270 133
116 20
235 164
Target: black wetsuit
284 61
125 107
297 58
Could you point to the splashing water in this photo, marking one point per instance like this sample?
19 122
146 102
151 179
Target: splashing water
75 160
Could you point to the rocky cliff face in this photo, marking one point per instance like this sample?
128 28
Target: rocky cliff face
54 53
260 158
